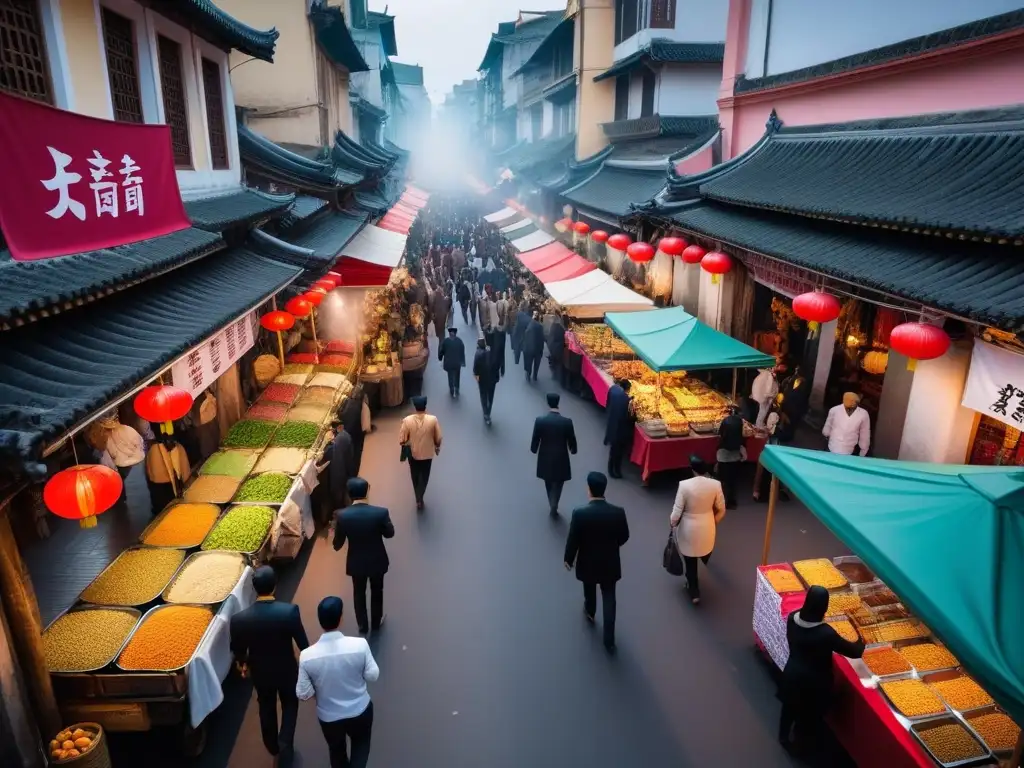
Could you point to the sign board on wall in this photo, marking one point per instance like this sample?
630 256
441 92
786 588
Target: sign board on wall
995 384
203 365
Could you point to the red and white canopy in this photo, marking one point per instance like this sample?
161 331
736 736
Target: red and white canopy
590 295
369 258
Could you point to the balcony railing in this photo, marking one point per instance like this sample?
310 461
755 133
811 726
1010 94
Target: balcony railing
634 128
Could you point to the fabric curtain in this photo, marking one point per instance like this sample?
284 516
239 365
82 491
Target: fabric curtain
740 321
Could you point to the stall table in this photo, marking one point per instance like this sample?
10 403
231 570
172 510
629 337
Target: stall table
658 454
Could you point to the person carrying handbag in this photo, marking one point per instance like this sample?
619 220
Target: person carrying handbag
420 439
699 507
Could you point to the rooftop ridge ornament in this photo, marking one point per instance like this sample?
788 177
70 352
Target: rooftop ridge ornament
774 123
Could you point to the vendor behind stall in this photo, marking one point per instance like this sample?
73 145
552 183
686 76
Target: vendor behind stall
167 469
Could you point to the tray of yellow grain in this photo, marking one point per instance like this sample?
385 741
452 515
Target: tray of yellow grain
841 603
950 743
87 638
166 638
926 656
960 692
995 728
894 631
884 662
181 525
912 698
136 577
845 629
820 572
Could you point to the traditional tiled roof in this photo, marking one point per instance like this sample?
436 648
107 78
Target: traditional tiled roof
386 25
612 190
947 38
328 234
212 23
28 288
245 206
60 371
560 34
334 38
304 208
365 106
373 202
512 33
561 90
575 173
664 51
407 74
529 154
281 165
350 154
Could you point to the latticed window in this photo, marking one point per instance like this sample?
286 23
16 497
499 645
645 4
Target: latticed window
214 89
24 68
175 108
119 38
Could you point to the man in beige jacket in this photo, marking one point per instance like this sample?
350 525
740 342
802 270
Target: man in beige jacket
420 438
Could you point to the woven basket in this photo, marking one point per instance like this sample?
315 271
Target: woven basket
97 757
266 368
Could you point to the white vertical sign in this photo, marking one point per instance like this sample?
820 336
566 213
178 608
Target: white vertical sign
995 384
201 366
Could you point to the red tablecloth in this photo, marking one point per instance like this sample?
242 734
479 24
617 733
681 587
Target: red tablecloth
599 381
657 454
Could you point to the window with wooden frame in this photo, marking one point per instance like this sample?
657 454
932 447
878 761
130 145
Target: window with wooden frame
122 67
626 21
213 87
663 14
622 97
24 66
172 83
648 83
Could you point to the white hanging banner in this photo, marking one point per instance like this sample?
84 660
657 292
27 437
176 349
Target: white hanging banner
201 366
995 384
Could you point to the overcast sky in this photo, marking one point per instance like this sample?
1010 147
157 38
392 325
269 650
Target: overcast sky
448 37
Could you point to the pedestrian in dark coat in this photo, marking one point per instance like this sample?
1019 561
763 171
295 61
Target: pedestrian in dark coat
440 305
533 347
364 527
596 532
619 427
341 454
553 440
519 333
486 375
352 420
452 354
556 349
263 640
463 295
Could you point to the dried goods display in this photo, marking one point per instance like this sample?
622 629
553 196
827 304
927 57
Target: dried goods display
996 729
845 629
267 411
301 358
166 638
820 573
891 612
287 460
206 577
312 412
297 434
280 393
73 742
329 380
317 395
294 379
879 597
962 693
249 434
842 603
600 341
214 489
230 463
783 580
950 743
896 630
181 525
927 657
863 616
242 529
292 368
271 488
337 359
913 698
87 639
855 571
136 577
885 661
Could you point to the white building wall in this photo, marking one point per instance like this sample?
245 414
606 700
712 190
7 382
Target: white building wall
636 95
697 21
690 89
549 119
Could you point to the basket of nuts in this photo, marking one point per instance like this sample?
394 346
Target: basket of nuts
83 745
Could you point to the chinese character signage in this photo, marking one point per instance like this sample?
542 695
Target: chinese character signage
197 369
995 384
73 183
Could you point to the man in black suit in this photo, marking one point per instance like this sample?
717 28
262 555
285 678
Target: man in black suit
533 347
452 354
262 638
553 440
365 527
596 532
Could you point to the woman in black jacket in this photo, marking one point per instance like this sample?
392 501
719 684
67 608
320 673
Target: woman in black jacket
806 686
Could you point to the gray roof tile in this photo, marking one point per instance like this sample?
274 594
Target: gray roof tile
216 214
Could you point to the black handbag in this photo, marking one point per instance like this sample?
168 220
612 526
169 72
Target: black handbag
670 559
406 452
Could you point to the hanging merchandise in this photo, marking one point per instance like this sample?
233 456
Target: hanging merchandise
616 252
83 491
816 307
717 263
163 405
693 254
919 341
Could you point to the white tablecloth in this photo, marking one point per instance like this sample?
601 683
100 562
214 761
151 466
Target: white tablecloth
294 521
212 661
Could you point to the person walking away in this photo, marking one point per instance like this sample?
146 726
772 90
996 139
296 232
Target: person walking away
732 451
474 299
533 347
805 688
463 294
439 312
556 349
354 416
763 392
619 427
452 354
336 669
484 373
364 527
519 332
342 456
263 640
554 438
502 312
848 427
420 437
796 393
596 533
698 508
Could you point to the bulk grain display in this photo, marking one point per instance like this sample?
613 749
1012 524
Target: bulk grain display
206 578
213 489
87 639
280 393
267 411
312 412
230 463
270 488
249 434
166 638
136 577
287 460
297 434
181 525
242 529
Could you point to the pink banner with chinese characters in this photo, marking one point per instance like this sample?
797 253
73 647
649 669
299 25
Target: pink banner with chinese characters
73 183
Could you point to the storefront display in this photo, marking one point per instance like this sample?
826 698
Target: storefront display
995 391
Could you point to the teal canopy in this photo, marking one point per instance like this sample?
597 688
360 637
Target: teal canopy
672 340
948 539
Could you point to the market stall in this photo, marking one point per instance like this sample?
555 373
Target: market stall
370 257
932 592
532 241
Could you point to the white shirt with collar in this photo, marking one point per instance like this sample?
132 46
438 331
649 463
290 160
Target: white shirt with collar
336 670
846 431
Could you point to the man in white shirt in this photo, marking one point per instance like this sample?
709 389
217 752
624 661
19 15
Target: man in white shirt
848 427
336 670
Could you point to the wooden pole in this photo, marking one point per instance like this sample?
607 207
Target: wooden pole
773 500
1018 753
280 349
735 377
166 459
312 325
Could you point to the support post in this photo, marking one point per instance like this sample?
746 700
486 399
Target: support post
280 349
735 377
312 325
773 500
1018 753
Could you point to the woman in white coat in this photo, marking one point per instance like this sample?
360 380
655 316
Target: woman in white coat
699 506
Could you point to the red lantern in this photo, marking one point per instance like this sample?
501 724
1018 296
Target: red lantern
328 279
816 307
693 254
335 276
163 405
919 341
581 228
640 253
277 321
717 263
82 492
619 241
314 297
326 284
563 225
299 307
673 246
599 236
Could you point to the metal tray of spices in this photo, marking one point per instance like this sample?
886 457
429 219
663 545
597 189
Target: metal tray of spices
252 554
952 674
991 709
898 712
134 612
166 511
179 670
114 562
935 722
192 559
921 641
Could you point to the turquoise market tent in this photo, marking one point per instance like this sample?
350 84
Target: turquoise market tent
948 539
672 340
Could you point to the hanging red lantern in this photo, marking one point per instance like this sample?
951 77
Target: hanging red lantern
277 321
327 285
83 491
816 307
563 225
673 246
717 263
919 341
162 405
599 236
299 307
581 228
619 241
335 276
693 254
314 297
328 279
640 253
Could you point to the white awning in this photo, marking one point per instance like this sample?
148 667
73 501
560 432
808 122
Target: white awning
524 222
376 246
504 213
533 240
593 294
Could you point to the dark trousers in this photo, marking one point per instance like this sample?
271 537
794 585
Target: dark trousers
472 310
453 380
554 491
607 607
376 600
517 351
558 370
356 730
487 396
267 695
463 306
616 451
692 580
160 495
532 364
419 469
728 472
499 350
809 726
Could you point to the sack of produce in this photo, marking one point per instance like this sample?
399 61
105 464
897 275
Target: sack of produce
266 368
83 745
